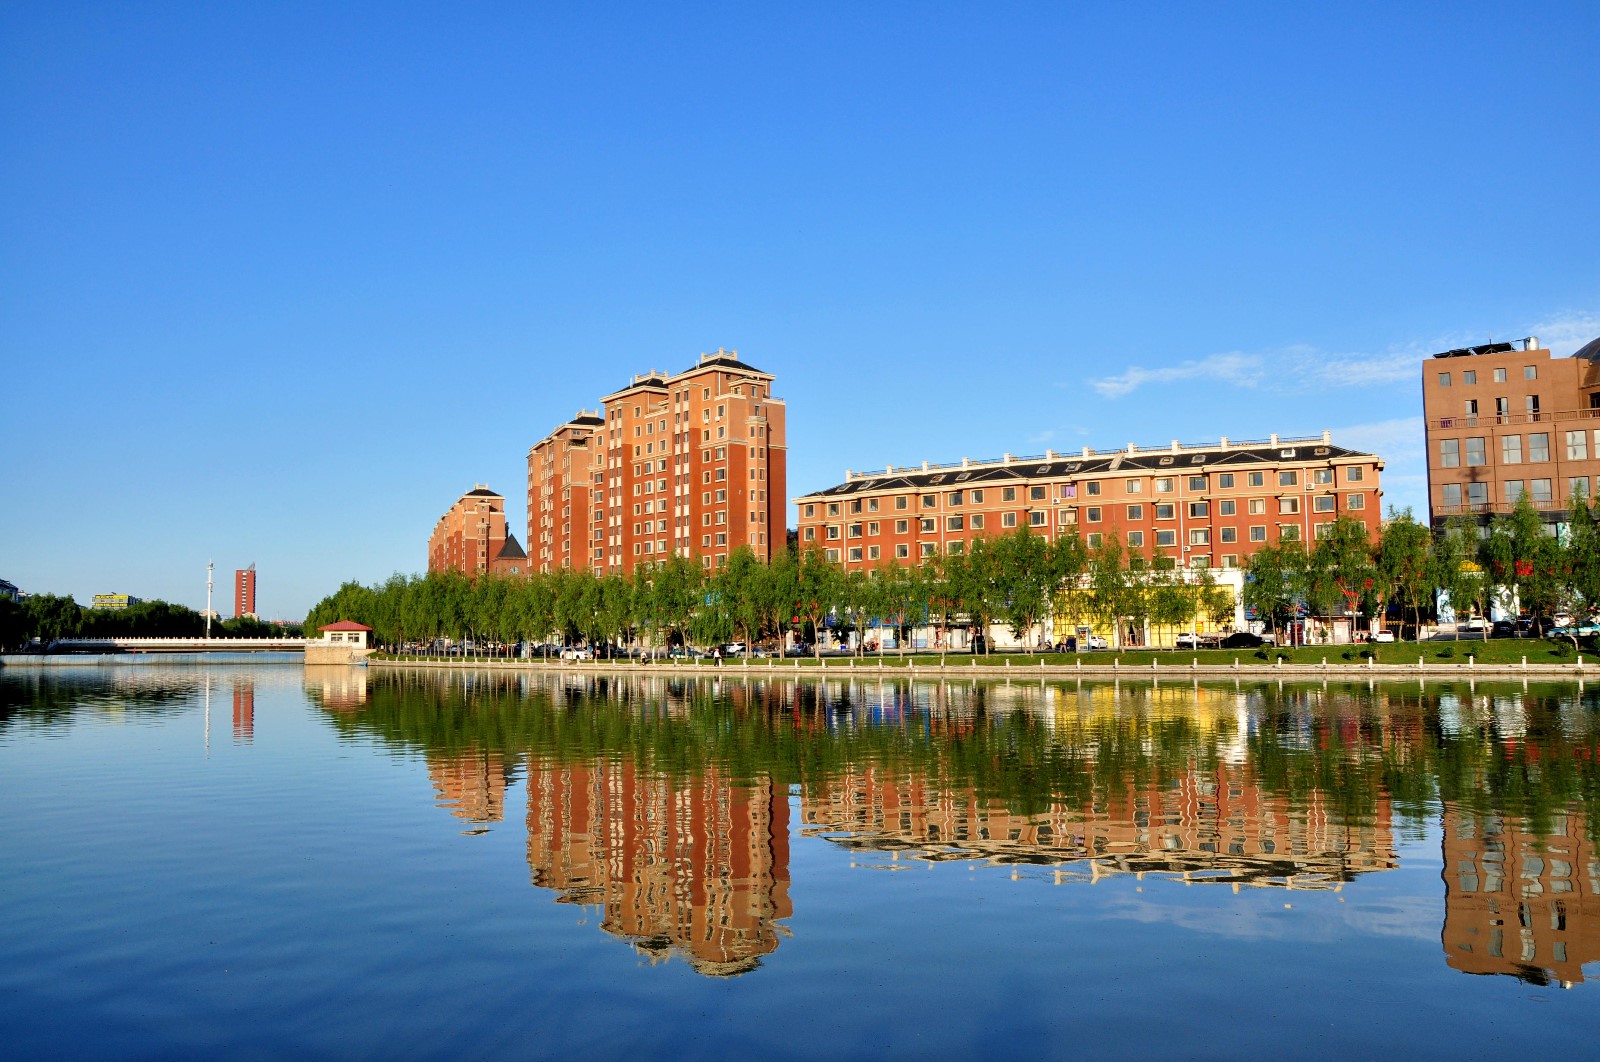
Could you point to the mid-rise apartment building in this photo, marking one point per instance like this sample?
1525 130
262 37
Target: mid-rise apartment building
1211 505
692 464
471 537
1508 420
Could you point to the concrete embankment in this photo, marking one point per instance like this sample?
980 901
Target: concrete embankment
1579 671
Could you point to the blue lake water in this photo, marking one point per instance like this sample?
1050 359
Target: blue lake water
270 862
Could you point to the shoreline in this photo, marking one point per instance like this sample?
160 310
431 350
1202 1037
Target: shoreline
1578 671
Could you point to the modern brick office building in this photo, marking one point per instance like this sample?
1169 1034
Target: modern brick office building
472 537
692 464
1212 505
1507 419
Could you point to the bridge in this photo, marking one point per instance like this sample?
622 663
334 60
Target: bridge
177 645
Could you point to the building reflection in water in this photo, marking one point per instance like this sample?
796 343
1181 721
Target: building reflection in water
697 868
633 805
1213 825
472 785
244 711
337 687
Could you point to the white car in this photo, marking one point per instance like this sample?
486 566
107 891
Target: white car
577 652
1094 641
1382 636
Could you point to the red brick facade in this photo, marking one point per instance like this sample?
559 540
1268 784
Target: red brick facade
1211 505
471 537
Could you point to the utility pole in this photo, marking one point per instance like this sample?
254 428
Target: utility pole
209 567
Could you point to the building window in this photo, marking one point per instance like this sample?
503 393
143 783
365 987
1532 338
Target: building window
977 521
1288 479
1008 519
1323 503
1541 492
1352 475
831 554
902 551
977 497
1136 538
1166 511
1136 512
1197 483
1499 376
833 508
1230 560
1094 539
1322 475
1065 517
1477 494
1578 487
1530 372
811 534
1288 505
1230 534
1477 453
1093 487
1133 486
1449 453
1008 494
1511 450
1355 501
1469 377
955 548
1258 506
854 531
1164 485
954 523
1038 517
927 549
1539 446
872 528
811 510
1199 509
1166 538
1258 533
928 526
929 501
1092 515
902 526
1514 491
1036 493
1288 532
955 497
872 505
833 531
855 505
1452 494
1225 479
1227 507
1577 446
1257 479
1199 536
1444 379
855 552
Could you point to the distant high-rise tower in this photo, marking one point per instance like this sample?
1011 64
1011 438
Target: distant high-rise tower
244 592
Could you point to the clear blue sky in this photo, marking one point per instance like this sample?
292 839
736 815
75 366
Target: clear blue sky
278 283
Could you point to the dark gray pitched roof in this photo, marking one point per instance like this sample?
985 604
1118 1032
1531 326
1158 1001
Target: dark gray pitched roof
1153 461
512 550
1590 350
481 492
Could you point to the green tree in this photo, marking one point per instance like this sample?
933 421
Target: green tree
1404 565
1023 578
1520 557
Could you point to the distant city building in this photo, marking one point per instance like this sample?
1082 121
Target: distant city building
1505 421
472 537
1207 505
244 592
116 601
692 465
9 591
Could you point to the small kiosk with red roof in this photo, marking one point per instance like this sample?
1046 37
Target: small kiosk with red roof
344 642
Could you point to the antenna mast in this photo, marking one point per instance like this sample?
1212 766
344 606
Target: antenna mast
209 566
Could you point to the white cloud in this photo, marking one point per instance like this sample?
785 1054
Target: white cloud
1567 332
1241 370
1303 369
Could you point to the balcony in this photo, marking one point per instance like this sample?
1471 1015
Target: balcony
1541 417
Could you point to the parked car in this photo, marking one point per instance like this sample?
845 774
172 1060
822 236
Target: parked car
1192 640
1244 640
577 652
1503 629
1094 641
1381 636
